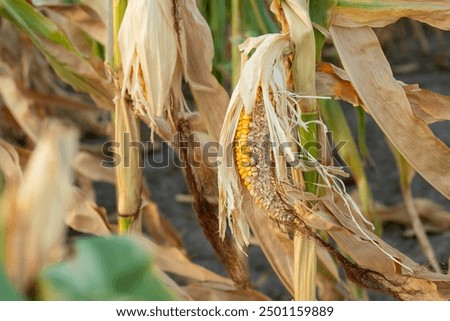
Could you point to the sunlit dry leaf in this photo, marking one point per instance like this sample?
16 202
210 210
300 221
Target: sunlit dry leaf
357 13
87 217
429 106
330 82
389 106
36 209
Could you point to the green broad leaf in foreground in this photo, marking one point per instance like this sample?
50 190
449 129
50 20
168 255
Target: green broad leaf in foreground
113 268
7 290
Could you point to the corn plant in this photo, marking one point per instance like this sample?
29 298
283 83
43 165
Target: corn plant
276 178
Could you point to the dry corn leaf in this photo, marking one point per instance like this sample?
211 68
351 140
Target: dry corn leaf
400 275
87 217
160 229
89 74
357 13
173 260
332 81
36 209
90 166
220 292
386 101
180 293
407 174
429 106
18 104
276 246
10 163
81 16
433 215
328 290
420 284
210 97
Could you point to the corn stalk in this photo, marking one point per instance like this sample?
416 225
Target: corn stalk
303 82
128 173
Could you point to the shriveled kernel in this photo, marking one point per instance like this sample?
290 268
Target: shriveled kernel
254 159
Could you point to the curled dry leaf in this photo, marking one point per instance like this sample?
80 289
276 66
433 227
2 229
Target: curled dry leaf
18 104
36 208
358 13
87 217
428 106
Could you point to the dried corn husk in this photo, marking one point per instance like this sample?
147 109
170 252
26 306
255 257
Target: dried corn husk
37 207
159 44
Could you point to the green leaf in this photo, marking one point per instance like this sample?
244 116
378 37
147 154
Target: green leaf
7 290
361 115
2 221
321 12
34 24
113 268
42 30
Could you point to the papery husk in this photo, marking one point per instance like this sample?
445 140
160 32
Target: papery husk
269 52
159 43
